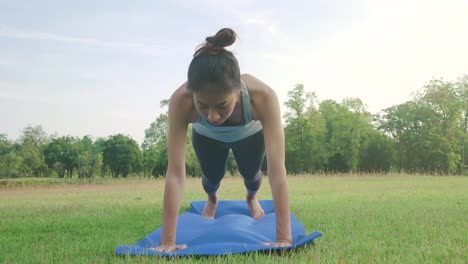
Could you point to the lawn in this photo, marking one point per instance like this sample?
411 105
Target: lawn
363 218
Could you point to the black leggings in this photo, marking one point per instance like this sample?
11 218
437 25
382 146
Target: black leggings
212 155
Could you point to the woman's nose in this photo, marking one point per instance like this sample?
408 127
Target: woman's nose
213 116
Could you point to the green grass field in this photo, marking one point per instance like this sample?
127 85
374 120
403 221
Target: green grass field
364 219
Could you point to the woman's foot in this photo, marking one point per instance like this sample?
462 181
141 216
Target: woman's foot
210 206
254 206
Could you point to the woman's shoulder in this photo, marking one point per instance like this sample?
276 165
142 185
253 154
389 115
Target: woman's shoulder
258 90
182 102
261 95
256 86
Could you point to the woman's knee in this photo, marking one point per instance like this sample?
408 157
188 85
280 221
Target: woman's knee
253 183
210 185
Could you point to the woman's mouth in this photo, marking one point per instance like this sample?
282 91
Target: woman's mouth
219 122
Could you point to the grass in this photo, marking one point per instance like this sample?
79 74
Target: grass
364 219
49 182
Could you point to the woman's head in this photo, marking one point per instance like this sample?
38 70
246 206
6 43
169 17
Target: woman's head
214 66
214 77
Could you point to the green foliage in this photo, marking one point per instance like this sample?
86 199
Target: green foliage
61 155
429 130
343 136
10 165
34 134
31 142
67 154
89 158
155 145
461 87
304 132
376 152
332 136
99 145
316 141
122 155
156 134
155 148
150 162
5 144
404 123
10 161
443 130
192 167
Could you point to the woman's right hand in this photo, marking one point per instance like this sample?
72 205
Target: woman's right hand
169 248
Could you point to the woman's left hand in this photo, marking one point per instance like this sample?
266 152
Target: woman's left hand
277 244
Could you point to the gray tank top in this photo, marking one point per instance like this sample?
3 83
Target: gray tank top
231 133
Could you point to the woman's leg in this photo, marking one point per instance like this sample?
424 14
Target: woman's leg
249 154
212 156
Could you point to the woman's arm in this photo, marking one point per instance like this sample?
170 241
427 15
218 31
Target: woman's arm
273 132
175 176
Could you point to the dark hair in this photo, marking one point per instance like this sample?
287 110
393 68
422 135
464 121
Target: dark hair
213 64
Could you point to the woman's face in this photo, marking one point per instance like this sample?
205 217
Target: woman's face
215 106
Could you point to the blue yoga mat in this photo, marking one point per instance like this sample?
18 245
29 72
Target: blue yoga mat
232 231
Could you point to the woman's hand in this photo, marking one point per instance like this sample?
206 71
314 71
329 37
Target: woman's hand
169 248
278 244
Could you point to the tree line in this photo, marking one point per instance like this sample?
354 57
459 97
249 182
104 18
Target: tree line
427 134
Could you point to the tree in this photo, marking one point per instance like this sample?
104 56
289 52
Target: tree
5 144
150 162
428 130
304 132
192 166
404 123
442 129
31 141
376 152
99 145
122 155
344 133
461 87
89 158
155 147
34 134
61 155
10 161
318 155
156 134
155 144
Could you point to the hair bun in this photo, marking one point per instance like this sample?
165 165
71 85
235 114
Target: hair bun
223 38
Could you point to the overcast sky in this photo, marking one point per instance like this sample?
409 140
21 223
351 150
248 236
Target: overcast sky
101 67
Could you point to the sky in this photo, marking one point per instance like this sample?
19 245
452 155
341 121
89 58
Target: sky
101 68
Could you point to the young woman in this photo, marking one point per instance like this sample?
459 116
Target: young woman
228 111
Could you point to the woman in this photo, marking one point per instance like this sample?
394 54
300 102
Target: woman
228 111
